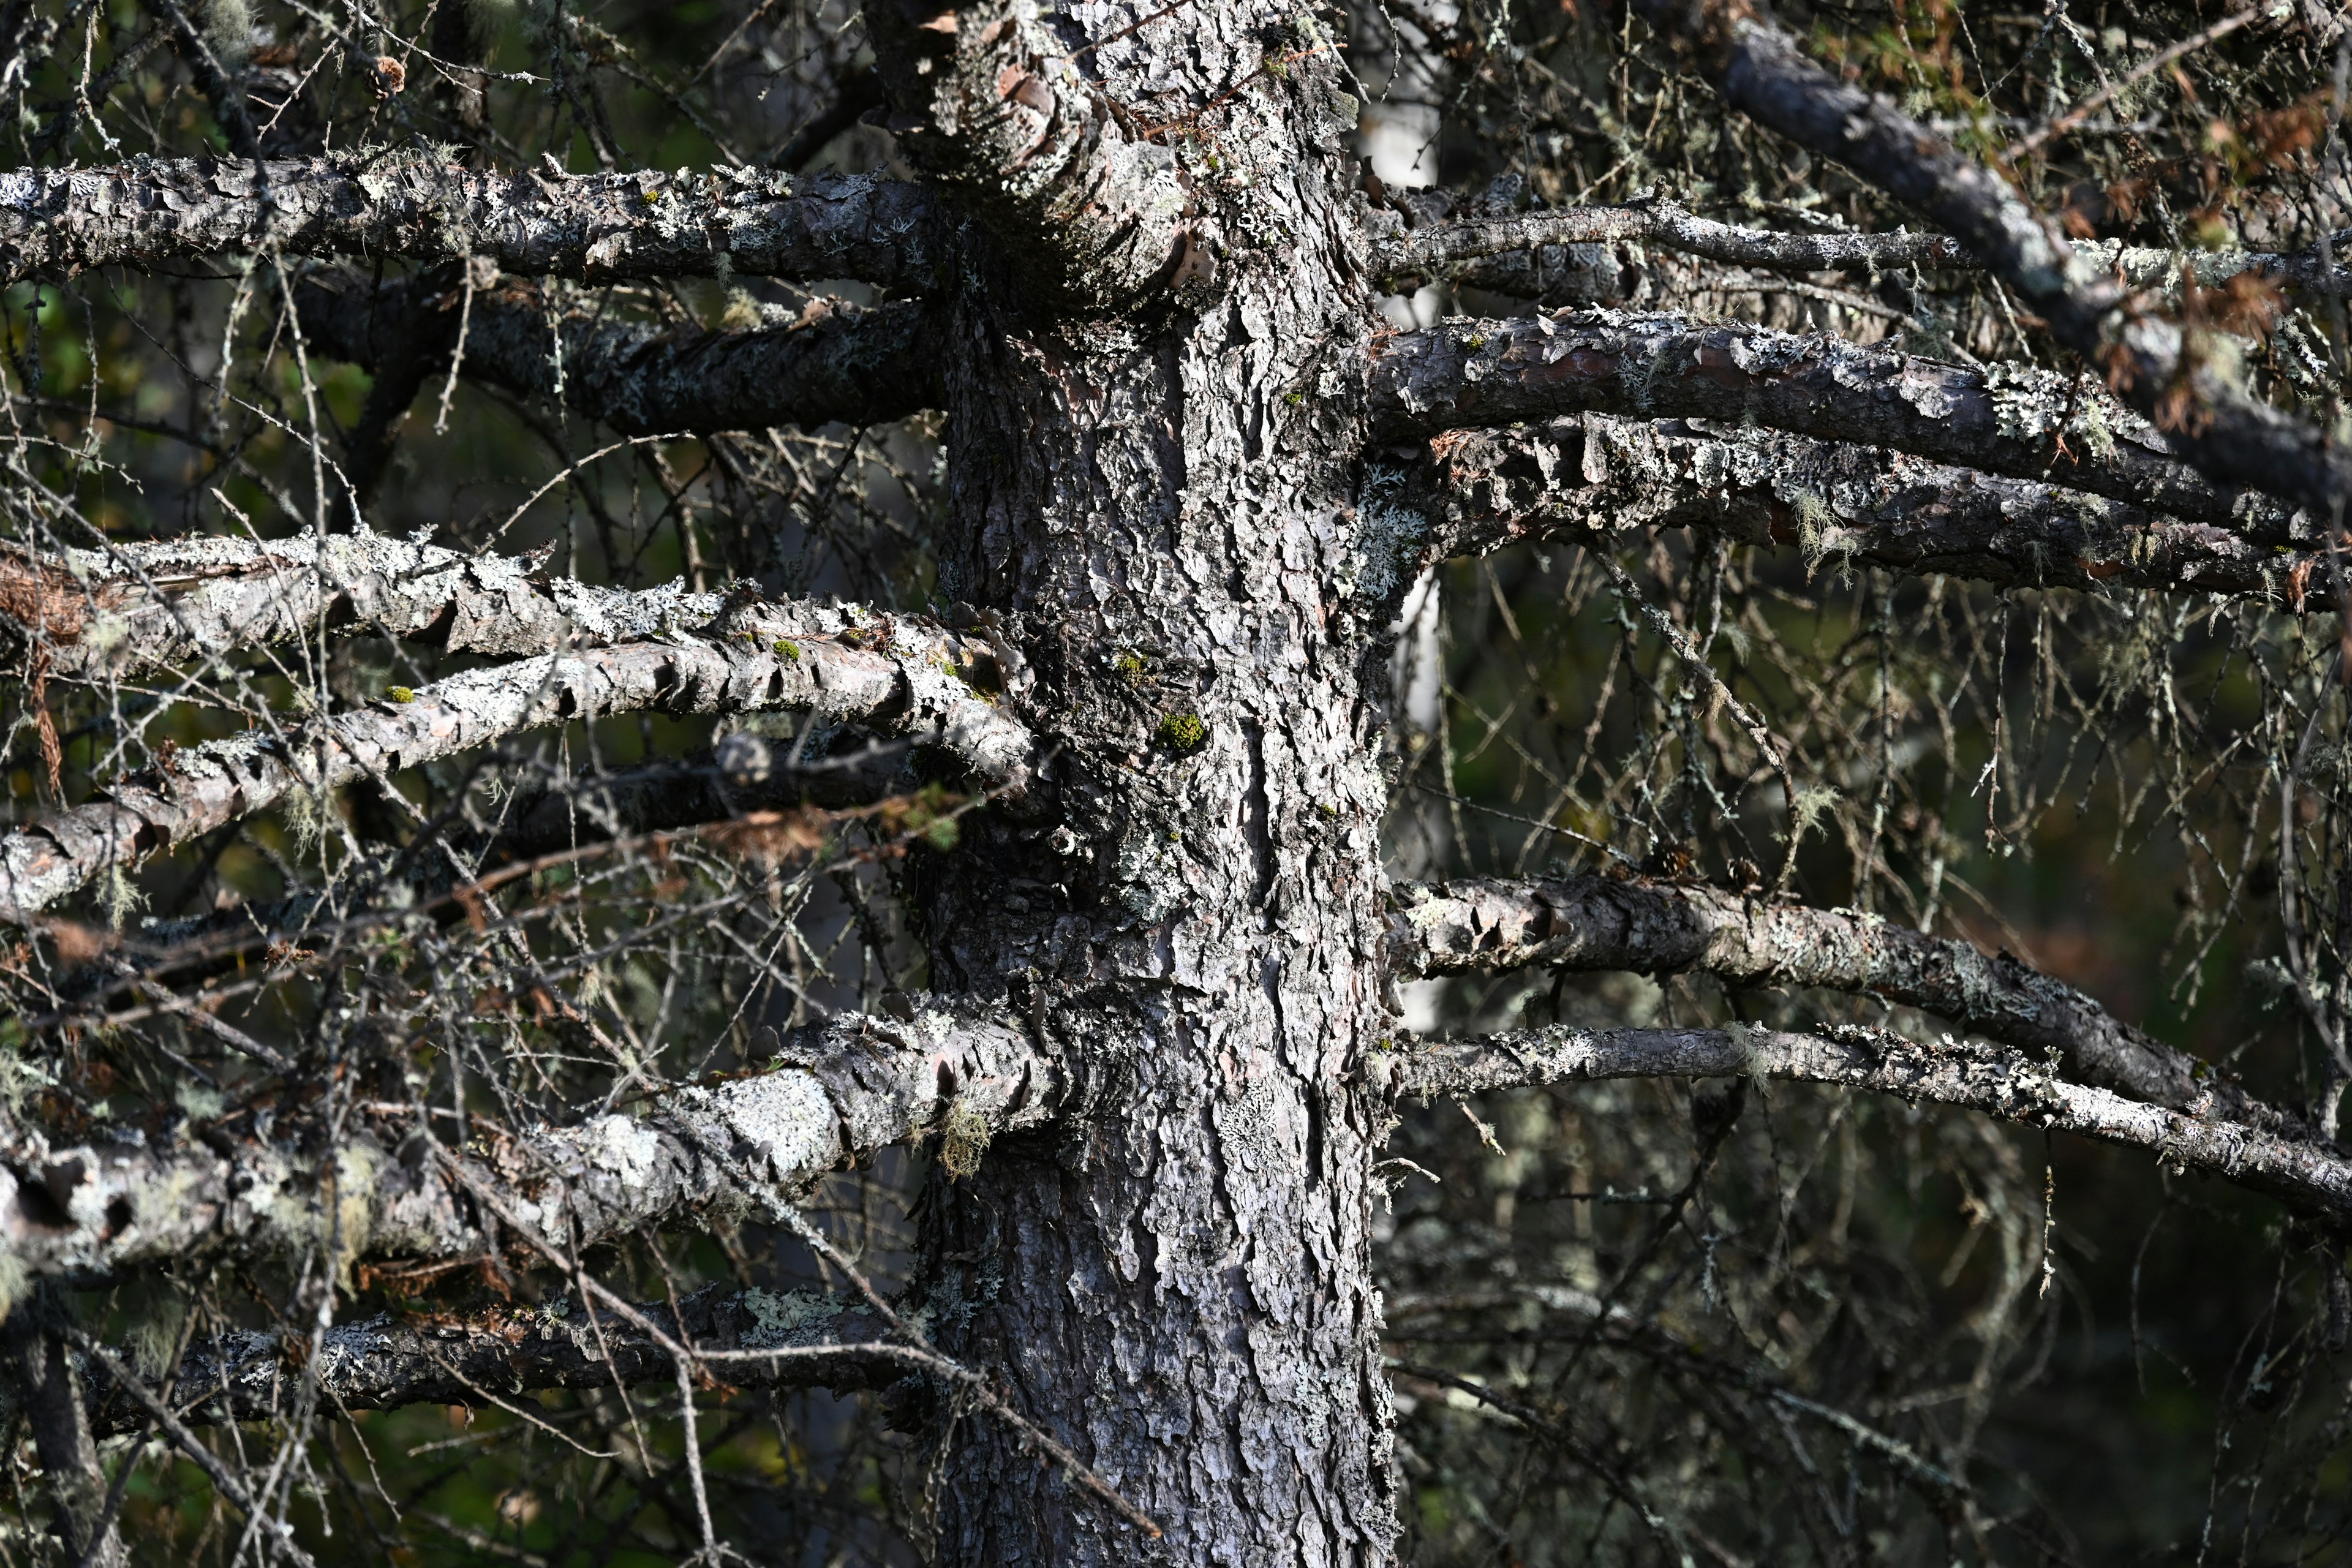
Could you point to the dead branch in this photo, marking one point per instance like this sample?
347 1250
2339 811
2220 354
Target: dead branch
1486 925
387 1193
1992 1080
2007 419
1763 71
836 361
381 202
896 675
1472 492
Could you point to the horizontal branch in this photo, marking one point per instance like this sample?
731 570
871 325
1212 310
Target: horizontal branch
837 362
133 607
158 214
1472 492
1487 925
1442 248
1455 251
480 1357
1992 1080
835 1093
2008 419
989 101
898 676
1763 71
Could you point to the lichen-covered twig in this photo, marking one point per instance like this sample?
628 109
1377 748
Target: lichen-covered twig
834 1092
1761 71
385 202
898 675
836 361
1486 925
1471 491
2000 1082
2007 419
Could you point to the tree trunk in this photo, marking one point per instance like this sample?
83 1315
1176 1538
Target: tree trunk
1179 1284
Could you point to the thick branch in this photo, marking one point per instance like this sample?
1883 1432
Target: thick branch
1483 924
386 203
395 1358
1991 1080
1760 71
837 1092
2009 419
898 677
990 102
130 609
1476 490
837 362
1455 250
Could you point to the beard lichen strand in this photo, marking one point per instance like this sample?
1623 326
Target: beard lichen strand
1179 1288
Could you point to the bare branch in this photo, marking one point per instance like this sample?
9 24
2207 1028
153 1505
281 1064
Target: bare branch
2009 419
1997 1081
836 361
1761 71
1493 253
837 1091
899 676
386 203
480 1357
1444 248
1477 490
1486 925
990 103
133 607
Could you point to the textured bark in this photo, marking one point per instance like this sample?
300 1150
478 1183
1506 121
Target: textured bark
896 675
1440 249
1471 491
1182 1292
838 1091
2007 419
991 105
1455 251
1486 925
479 1358
1762 72
131 608
48 1394
2304 1173
836 361
384 202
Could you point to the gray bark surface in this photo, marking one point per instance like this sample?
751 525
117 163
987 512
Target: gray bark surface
990 102
898 676
393 203
2010 420
1578 476
837 1091
1503 253
1487 924
2311 1175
